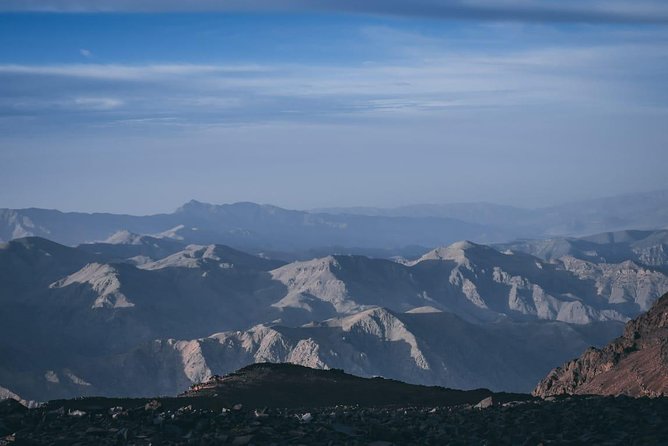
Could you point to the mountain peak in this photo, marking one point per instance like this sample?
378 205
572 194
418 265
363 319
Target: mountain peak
221 256
194 206
103 280
457 251
463 245
124 237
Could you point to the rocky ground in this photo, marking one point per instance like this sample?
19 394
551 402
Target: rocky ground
575 420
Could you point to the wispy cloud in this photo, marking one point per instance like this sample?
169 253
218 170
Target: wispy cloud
573 78
93 103
428 82
128 72
85 52
585 11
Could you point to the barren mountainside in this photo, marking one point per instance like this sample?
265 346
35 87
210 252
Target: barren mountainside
104 320
634 364
643 247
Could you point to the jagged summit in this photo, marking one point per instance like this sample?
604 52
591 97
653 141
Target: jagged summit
129 247
458 252
193 206
635 364
199 207
197 256
644 247
104 280
463 245
124 237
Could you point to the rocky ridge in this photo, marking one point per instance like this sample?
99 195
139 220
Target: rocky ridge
642 247
635 364
458 317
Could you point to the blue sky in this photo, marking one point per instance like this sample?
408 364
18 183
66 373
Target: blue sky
140 106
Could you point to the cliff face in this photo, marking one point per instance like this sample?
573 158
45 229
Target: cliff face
635 364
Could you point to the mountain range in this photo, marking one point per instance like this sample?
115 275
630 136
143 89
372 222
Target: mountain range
644 247
246 226
143 315
648 210
292 234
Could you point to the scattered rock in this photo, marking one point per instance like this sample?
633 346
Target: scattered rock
153 405
576 420
242 440
484 404
305 418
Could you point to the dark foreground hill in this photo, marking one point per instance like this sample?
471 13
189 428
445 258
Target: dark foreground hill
284 405
290 385
635 364
294 386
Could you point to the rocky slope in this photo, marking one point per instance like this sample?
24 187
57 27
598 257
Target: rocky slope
432 348
634 364
125 246
642 247
474 281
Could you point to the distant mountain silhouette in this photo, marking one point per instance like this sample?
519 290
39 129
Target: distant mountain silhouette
266 228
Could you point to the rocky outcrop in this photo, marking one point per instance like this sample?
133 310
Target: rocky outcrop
635 364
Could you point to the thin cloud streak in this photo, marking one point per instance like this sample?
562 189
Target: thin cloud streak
539 11
126 72
380 93
430 78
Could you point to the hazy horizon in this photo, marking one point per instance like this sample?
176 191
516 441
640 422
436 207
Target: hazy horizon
325 209
138 107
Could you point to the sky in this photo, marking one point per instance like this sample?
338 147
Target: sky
139 106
